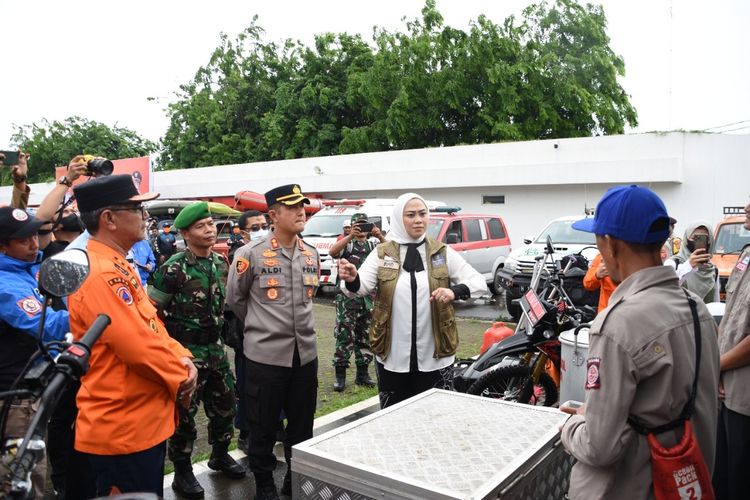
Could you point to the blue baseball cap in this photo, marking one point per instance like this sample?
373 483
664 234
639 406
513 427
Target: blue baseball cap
629 213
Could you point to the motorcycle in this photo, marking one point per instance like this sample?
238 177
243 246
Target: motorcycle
46 375
524 367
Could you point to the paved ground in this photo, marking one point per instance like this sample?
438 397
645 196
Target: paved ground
219 487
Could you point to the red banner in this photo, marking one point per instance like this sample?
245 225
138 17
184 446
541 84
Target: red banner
138 168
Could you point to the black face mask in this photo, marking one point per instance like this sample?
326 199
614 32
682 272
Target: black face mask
71 223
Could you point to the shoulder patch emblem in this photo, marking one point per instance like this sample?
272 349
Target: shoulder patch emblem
124 293
30 305
742 264
241 265
116 281
593 380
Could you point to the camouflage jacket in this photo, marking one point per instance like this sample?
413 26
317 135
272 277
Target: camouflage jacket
189 292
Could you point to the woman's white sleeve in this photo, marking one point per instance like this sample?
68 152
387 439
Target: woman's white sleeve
461 273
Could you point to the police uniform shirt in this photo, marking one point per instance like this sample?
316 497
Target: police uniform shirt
271 290
641 362
735 326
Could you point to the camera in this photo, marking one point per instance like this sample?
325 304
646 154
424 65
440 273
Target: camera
98 166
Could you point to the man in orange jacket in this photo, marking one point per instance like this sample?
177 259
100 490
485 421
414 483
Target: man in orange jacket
597 278
127 400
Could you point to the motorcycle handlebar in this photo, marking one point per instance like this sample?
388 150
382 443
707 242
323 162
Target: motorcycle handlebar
72 362
95 330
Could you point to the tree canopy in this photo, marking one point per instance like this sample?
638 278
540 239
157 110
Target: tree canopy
550 74
54 144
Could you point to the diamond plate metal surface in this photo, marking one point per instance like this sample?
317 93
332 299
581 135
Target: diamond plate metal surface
314 488
452 441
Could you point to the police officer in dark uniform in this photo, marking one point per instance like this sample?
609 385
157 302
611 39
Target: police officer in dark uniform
270 288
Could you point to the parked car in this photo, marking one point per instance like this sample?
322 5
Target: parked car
515 276
730 237
481 239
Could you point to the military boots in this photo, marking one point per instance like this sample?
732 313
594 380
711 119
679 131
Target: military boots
340 382
222 461
184 483
363 378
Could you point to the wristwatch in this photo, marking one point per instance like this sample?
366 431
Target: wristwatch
65 182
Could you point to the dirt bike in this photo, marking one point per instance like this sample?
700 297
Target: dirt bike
46 376
525 366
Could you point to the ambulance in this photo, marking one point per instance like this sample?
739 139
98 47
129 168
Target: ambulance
323 229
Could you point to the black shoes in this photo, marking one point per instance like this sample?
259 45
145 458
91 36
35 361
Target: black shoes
221 460
363 378
265 489
340 382
184 483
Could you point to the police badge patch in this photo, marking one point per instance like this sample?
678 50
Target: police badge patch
241 265
30 306
592 374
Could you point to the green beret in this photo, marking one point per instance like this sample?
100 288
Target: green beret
191 213
359 217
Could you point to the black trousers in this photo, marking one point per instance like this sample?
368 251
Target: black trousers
732 455
71 473
394 387
142 471
269 390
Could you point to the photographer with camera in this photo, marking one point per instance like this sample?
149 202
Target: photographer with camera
19 167
353 314
693 263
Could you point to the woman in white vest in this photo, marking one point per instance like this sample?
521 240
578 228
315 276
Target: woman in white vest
415 280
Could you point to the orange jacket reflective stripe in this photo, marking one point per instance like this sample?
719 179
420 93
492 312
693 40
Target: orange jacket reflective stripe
127 399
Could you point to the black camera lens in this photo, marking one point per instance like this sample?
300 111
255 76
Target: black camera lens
100 166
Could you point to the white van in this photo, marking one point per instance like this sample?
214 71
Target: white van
323 228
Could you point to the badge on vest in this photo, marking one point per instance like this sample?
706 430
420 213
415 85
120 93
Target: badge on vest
438 260
389 263
268 253
241 265
30 306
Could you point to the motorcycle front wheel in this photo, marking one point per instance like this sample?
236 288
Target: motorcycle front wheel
509 383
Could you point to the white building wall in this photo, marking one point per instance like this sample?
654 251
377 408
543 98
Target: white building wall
695 174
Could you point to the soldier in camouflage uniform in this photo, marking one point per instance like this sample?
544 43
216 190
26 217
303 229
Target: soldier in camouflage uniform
353 315
188 290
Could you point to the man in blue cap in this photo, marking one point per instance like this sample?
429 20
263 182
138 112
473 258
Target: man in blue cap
642 358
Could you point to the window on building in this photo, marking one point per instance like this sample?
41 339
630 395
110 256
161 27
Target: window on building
493 199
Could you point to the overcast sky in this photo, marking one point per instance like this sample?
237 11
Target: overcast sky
686 60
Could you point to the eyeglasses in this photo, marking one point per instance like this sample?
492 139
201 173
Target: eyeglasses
256 227
134 208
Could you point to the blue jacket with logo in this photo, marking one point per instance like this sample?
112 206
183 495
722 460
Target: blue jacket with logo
20 312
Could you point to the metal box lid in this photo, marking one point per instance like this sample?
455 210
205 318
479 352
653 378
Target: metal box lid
438 444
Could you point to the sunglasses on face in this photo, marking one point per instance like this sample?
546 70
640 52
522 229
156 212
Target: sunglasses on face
256 227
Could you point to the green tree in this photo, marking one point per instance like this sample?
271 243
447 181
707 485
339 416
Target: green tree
54 144
552 74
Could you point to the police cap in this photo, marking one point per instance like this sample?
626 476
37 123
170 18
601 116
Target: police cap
290 194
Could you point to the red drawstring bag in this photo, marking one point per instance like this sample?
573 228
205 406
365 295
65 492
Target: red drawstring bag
679 472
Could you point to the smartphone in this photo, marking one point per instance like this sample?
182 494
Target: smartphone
700 241
365 227
11 157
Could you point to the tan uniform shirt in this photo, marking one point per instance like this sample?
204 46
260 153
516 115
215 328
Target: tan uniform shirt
641 362
271 289
734 327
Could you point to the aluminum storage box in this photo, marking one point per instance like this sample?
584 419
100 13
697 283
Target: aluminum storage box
438 445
